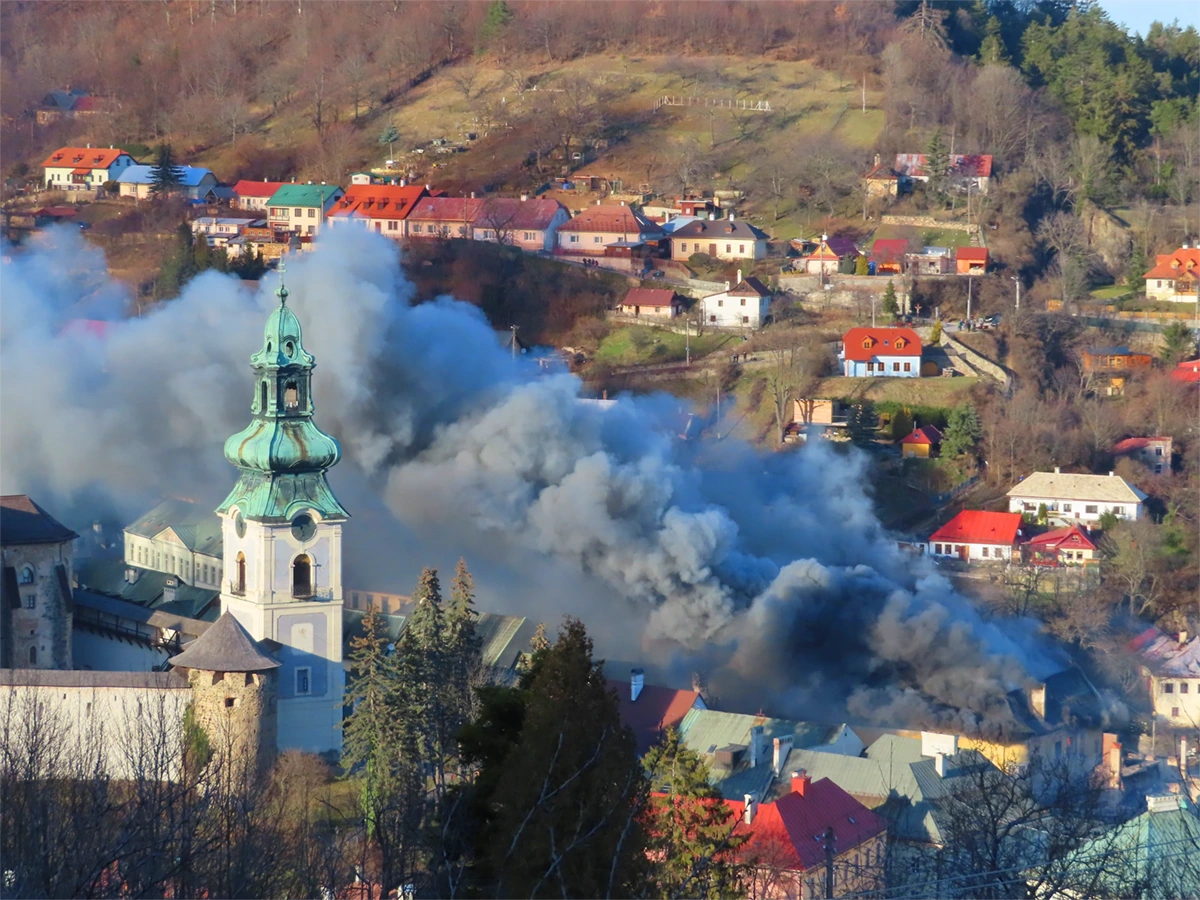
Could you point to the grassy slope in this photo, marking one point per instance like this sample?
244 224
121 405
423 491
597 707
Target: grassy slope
636 345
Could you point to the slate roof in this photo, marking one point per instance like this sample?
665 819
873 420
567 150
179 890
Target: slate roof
657 297
107 576
198 527
304 195
377 201
514 214
24 522
189 176
90 678
101 608
978 526
655 710
1070 698
225 647
749 287
1065 486
884 338
87 157
1164 655
720 229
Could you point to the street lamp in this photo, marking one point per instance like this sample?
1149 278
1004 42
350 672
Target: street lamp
1017 282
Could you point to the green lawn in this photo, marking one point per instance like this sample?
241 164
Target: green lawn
1111 292
640 345
944 392
930 237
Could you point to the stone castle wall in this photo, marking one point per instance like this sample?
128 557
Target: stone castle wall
42 622
237 711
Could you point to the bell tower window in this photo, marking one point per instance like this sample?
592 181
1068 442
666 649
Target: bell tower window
239 586
291 397
262 406
302 577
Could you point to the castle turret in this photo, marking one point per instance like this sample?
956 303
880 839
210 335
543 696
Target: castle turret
233 696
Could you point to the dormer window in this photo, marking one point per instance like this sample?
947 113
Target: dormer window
868 343
901 343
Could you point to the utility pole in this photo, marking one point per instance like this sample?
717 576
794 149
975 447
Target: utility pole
718 407
872 310
829 861
687 342
968 298
864 92
1017 281
513 329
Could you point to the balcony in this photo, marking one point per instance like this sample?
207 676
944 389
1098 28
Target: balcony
311 593
237 590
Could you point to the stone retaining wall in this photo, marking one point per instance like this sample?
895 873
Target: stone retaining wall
928 222
976 361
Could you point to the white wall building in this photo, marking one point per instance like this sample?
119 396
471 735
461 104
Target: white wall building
1171 667
1077 498
83 168
744 305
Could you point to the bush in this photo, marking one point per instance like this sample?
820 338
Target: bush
137 151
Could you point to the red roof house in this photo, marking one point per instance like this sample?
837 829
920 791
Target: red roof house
655 302
530 224
888 255
881 351
249 194
1154 452
976 535
1174 276
922 443
443 217
1187 372
649 710
786 840
378 207
971 260
1070 546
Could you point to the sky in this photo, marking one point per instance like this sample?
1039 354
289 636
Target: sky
1139 14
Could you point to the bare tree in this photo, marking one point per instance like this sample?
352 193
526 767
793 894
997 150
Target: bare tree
1136 566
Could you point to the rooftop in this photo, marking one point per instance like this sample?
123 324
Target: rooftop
24 522
977 526
750 287
889 249
249 188
89 678
731 229
654 711
304 195
1072 536
377 201
864 344
914 165
225 647
87 157
1165 655
1129 445
1066 486
972 254
1171 265
189 176
655 297
148 588
455 210
514 214
196 527
926 434
611 220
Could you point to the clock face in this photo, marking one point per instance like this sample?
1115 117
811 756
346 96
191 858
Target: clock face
303 527
239 525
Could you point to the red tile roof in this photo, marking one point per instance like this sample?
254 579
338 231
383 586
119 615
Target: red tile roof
640 296
791 831
972 254
883 343
87 157
655 710
1136 443
1163 267
913 165
510 213
977 526
1187 371
611 220
376 201
927 434
889 249
446 209
264 189
1073 537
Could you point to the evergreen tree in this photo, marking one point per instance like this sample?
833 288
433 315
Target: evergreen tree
861 267
369 730
201 254
891 306
691 832
935 333
178 268
1179 342
963 431
937 166
862 423
499 15
389 136
463 645
165 175
1136 268
992 51
901 425
427 676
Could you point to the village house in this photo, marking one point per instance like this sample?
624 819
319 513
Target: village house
1171 666
789 839
1174 276
301 208
971 260
745 305
976 535
443 217
817 411
652 303
71 103
1070 546
923 443
219 231
973 172
697 207
255 195
930 261
598 227
1081 498
828 255
1111 366
195 183
178 537
728 238
649 710
83 168
888 255
881 180
1187 372
381 208
1152 452
530 224
881 352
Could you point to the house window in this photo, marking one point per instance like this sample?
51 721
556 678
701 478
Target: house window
303 681
1183 687
745 320
298 212
30 601
393 225
312 229
33 656
1158 283
240 585
908 367
1118 510
596 239
741 248
529 236
1168 687
312 213
743 301
1066 507
1174 712
683 247
27 575
712 319
1090 509
895 367
302 576
720 303
1158 451
937 549
574 239
728 248
984 551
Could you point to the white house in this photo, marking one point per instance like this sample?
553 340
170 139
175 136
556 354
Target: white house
138 181
301 208
722 239
529 224
976 535
1082 498
84 168
219 230
745 305
1171 667
1175 276
878 352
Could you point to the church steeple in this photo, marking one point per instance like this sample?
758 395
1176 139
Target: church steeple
282 454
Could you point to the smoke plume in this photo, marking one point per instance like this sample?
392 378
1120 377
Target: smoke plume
769 571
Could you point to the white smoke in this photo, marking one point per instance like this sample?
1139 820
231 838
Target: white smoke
771 571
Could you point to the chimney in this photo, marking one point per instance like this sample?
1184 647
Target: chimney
1183 638
1058 471
739 281
1114 765
1037 700
751 808
637 680
264 179
731 215
472 195
1183 751
783 746
524 197
132 574
876 159
727 285
939 764
89 146
403 182
800 782
168 594
428 187
604 394
1111 474
622 202
756 743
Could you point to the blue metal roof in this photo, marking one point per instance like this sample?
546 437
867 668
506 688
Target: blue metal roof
189 176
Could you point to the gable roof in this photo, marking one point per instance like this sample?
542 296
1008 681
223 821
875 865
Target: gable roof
377 201
225 647
977 526
86 157
149 589
972 254
1154 851
889 249
1072 536
1182 256
611 220
515 214
1066 486
926 434
1187 372
454 210
914 165
189 176
1070 700
24 522
883 343
716 229
304 195
749 287
656 297
1164 655
250 188
796 824
834 247
654 711
1129 445
198 527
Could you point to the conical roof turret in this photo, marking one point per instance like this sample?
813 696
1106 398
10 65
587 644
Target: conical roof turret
225 647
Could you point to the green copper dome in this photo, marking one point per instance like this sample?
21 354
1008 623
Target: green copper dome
282 454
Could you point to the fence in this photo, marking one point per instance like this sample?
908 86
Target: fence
714 103
956 490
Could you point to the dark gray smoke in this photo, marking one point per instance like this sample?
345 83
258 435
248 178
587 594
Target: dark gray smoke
769 571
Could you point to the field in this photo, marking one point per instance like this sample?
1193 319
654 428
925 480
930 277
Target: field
944 392
927 237
637 345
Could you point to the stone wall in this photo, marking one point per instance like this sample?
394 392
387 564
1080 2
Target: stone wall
237 711
42 621
928 222
976 361
850 291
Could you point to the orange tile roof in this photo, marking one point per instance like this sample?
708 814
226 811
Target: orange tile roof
1071 536
250 188
1136 443
977 526
91 157
377 201
925 435
1182 256
972 254
884 343
611 220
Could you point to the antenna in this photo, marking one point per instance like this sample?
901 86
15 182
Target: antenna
282 292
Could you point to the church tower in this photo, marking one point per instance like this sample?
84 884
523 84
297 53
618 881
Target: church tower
282 537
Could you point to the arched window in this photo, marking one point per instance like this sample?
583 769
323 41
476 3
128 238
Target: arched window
33 656
27 575
262 406
291 397
240 586
302 576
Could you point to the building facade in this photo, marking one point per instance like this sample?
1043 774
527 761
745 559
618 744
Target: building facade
83 168
1076 498
744 305
282 538
180 538
1175 276
597 227
881 352
721 239
376 207
301 208
1170 665
531 225
975 535
1152 452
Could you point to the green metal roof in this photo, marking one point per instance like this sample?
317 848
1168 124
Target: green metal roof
1157 854
195 525
303 195
108 576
